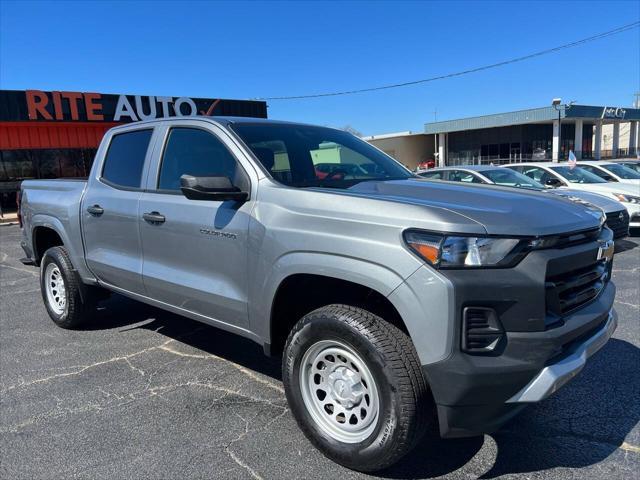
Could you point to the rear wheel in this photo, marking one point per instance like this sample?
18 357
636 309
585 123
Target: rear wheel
68 302
355 387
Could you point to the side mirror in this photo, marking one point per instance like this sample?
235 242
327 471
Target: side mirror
218 188
553 182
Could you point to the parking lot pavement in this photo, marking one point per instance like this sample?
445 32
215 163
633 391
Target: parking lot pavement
147 394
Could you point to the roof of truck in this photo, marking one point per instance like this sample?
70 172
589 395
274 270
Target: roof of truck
220 120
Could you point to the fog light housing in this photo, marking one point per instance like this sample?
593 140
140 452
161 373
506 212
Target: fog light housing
481 330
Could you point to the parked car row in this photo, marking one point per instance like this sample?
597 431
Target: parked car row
612 186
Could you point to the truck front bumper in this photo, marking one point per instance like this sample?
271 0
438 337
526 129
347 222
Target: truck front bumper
555 375
476 393
634 214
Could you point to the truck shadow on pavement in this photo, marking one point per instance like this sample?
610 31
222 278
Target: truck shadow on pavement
624 245
581 425
125 314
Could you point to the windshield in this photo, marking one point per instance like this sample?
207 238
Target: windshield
308 156
622 171
635 166
577 175
509 178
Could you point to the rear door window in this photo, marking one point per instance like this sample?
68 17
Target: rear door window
622 171
433 175
462 176
534 172
125 157
600 173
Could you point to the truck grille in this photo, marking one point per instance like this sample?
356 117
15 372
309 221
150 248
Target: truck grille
571 290
618 222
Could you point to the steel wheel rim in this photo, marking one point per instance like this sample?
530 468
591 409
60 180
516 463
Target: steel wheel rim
55 288
339 391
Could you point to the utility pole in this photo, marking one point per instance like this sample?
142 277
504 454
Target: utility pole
557 104
636 104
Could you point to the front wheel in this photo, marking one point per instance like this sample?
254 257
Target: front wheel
355 387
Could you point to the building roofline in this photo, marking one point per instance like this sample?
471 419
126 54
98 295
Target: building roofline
532 115
408 133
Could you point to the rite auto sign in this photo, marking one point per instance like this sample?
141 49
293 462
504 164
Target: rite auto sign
58 106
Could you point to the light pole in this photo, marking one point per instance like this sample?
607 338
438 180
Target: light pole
557 104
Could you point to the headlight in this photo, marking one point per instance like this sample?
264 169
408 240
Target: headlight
464 252
624 197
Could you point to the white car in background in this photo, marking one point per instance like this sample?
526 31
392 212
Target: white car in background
612 172
632 164
562 175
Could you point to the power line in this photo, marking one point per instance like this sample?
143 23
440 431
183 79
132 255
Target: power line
599 36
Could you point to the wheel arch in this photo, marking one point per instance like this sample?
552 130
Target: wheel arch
300 293
46 234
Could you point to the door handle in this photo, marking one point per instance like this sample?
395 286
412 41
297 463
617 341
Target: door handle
153 217
96 210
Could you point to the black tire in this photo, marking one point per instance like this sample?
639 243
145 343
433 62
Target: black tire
406 410
80 299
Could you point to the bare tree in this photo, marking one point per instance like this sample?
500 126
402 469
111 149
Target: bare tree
351 130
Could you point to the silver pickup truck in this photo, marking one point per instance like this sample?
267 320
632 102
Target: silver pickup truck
398 304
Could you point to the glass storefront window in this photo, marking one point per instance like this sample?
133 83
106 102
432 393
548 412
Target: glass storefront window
19 165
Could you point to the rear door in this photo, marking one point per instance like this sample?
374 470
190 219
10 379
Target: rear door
109 210
195 258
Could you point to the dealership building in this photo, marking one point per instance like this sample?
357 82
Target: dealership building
547 133
56 134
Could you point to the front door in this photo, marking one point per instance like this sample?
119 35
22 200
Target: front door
109 212
195 251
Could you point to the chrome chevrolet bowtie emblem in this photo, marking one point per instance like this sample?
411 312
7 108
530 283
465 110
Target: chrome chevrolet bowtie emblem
605 250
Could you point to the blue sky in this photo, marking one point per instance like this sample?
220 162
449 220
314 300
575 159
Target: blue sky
262 49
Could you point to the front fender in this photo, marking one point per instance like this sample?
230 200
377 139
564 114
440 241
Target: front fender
424 300
368 274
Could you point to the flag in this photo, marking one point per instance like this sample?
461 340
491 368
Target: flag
572 160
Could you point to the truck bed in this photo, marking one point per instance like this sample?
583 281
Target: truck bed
54 204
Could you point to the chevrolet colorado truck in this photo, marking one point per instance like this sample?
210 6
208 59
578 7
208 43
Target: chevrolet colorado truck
399 304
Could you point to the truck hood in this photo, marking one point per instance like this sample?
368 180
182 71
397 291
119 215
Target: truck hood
500 210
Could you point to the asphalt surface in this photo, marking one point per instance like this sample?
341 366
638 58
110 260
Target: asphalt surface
146 394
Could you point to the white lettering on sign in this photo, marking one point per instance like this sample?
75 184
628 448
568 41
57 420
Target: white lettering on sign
165 101
177 106
614 112
146 108
124 109
152 108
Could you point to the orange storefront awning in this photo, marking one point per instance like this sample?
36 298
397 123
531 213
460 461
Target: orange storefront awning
27 135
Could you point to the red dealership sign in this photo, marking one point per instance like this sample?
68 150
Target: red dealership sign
37 105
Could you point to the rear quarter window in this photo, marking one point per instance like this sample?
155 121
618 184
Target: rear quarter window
125 157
